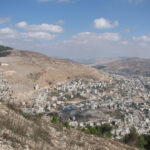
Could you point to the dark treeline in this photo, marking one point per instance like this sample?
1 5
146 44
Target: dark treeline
4 50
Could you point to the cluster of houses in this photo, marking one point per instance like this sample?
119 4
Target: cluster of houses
123 102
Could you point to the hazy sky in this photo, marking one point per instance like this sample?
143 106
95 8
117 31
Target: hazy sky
77 28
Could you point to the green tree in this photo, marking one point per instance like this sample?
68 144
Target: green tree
66 124
147 141
131 138
142 141
106 130
55 119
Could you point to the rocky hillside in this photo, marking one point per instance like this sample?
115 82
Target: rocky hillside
137 66
26 70
23 132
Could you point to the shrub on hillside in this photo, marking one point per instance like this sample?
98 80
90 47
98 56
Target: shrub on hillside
55 119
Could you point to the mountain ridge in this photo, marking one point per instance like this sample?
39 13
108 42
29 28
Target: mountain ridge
131 66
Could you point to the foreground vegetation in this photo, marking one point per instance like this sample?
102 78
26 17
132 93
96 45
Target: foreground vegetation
19 124
22 126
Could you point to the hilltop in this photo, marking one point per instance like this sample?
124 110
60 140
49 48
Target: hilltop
24 70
